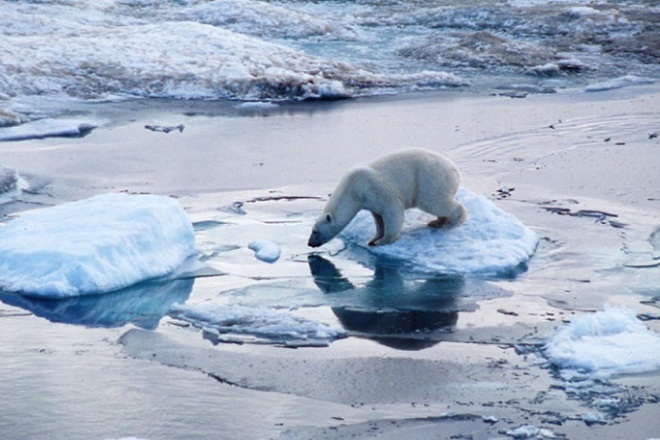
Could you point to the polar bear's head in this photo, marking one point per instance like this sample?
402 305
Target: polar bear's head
324 230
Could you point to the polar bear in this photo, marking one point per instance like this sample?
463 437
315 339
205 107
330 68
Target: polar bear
387 187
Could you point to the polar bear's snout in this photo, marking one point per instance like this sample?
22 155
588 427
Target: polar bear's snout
315 239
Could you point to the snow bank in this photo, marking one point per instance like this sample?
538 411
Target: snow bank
618 83
96 245
491 242
265 250
259 324
604 344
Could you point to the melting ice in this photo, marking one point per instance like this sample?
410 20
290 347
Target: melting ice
100 244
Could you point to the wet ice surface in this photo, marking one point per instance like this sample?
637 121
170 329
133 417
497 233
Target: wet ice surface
423 356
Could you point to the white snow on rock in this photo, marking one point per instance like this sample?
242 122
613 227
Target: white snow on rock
603 344
265 250
491 242
256 324
96 245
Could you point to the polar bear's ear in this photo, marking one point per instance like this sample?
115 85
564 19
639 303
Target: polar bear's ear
328 218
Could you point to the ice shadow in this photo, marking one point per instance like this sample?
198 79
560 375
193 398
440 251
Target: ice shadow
393 311
143 305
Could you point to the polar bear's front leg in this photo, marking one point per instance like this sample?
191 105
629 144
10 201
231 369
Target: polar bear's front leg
380 229
391 223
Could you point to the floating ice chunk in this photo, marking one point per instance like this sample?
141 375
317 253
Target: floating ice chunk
96 245
618 83
239 323
265 250
257 105
44 128
530 431
604 344
11 184
491 242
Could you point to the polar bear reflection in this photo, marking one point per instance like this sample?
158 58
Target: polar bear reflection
397 313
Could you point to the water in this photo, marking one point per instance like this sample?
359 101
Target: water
250 50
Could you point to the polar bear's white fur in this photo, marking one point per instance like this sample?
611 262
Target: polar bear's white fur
387 187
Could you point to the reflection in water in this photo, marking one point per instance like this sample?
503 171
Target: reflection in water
143 304
392 311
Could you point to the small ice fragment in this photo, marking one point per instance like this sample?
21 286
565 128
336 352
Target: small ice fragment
618 83
530 431
265 250
166 128
593 418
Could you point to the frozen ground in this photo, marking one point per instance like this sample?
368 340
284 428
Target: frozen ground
412 356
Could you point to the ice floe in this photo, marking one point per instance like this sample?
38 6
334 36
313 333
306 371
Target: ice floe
265 250
604 344
101 244
44 128
491 242
234 323
619 83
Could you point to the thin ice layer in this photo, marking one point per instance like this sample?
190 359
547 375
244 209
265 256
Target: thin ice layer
260 323
604 344
96 245
491 242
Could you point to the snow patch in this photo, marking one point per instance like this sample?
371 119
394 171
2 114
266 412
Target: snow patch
265 250
491 242
604 344
234 323
96 245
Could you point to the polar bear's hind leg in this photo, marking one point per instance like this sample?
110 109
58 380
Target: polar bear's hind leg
449 214
438 222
